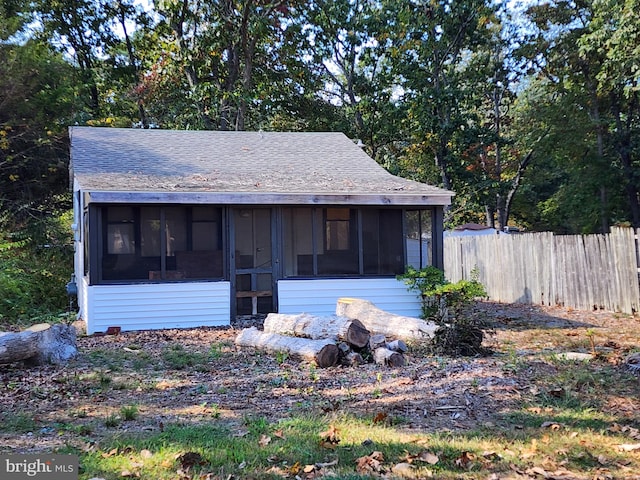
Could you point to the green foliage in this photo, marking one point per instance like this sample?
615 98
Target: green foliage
177 357
35 265
445 304
129 412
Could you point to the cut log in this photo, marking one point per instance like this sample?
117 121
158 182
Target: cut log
324 353
376 341
398 346
305 325
351 359
384 356
388 324
39 344
348 357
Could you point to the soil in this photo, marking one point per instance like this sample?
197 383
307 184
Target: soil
199 374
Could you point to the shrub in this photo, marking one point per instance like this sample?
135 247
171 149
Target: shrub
36 262
446 304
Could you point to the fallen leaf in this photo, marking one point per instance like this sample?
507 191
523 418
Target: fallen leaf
428 457
144 453
330 437
403 469
190 459
465 460
629 447
551 425
294 469
380 417
264 440
110 453
370 463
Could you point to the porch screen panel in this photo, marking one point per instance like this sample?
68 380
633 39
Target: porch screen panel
325 242
298 242
340 256
161 243
419 228
202 256
381 242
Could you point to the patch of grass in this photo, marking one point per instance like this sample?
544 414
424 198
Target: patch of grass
264 449
176 357
129 412
112 421
19 422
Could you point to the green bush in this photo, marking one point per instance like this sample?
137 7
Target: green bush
447 304
36 263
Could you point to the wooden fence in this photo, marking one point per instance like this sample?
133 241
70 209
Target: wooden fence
584 272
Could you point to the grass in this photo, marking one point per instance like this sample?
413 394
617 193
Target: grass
260 449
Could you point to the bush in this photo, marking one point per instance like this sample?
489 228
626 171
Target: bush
447 305
36 262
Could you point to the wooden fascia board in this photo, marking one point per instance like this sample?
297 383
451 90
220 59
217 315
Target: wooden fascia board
249 198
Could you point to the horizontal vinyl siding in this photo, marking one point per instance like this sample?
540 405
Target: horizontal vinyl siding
156 306
319 296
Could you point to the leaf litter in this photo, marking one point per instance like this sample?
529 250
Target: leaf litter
430 394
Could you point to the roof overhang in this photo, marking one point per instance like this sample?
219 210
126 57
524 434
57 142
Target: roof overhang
266 198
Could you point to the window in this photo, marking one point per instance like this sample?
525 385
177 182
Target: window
161 243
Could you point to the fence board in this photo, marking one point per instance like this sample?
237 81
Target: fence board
584 272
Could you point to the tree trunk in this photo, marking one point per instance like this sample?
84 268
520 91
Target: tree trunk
388 324
39 344
324 353
309 326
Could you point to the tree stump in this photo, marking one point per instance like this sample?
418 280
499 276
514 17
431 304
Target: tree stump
388 324
39 344
324 353
305 325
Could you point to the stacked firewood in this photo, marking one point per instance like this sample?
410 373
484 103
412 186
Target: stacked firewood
359 332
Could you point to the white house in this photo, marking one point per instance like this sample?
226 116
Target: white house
179 229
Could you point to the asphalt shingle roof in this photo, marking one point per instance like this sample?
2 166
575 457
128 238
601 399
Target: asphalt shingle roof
135 160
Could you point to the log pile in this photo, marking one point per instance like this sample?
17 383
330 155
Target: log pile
360 332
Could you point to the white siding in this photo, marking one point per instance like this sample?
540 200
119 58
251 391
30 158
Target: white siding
156 306
319 296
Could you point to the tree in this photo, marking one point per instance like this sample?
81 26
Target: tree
430 42
234 56
35 103
576 78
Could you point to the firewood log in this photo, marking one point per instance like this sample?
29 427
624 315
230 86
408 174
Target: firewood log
324 353
384 356
310 326
348 357
39 344
398 346
388 324
376 341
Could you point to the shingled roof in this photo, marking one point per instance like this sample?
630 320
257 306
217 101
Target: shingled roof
116 164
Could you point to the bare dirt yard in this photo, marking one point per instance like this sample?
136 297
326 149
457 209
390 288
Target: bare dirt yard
191 375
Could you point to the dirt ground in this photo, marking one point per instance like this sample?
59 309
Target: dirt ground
52 406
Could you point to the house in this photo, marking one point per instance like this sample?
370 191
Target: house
471 229
179 229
